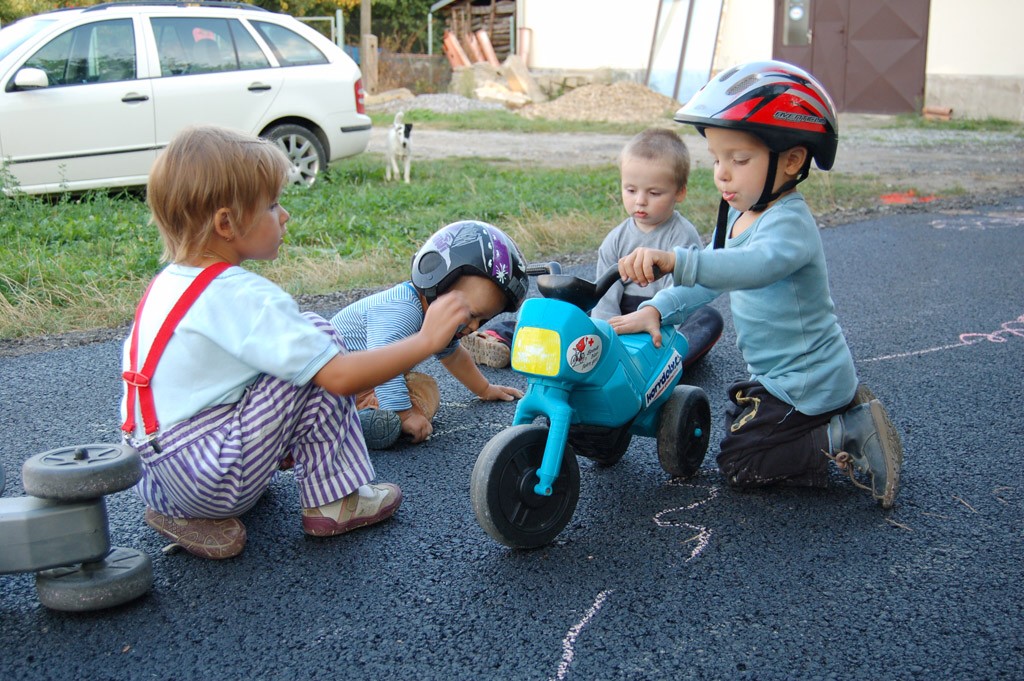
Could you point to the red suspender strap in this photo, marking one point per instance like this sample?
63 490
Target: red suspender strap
138 380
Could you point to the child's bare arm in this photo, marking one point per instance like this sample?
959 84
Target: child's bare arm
461 365
348 374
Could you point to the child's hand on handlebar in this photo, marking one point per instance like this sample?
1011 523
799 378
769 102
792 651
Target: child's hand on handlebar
646 319
639 266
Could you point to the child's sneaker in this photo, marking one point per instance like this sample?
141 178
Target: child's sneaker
865 437
381 427
214 538
367 505
487 347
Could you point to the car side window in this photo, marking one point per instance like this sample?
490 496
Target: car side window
191 45
101 52
250 55
290 48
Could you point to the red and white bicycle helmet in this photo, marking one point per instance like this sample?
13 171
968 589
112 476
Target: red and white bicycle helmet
475 248
780 104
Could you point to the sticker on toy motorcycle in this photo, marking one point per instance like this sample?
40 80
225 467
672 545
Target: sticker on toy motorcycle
583 353
666 378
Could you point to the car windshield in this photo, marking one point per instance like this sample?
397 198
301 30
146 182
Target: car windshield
13 35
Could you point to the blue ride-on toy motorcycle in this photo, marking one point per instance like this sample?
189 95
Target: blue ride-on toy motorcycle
595 389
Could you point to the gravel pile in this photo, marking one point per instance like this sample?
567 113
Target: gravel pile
622 102
438 103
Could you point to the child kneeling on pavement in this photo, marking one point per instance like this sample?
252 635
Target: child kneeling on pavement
802 406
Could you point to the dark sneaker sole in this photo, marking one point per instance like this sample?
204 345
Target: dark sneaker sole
381 429
892 452
863 395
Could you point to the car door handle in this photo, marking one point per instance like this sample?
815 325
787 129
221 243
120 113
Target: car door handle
134 97
258 87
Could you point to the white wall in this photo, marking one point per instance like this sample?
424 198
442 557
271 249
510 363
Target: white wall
975 62
746 33
977 37
588 34
617 34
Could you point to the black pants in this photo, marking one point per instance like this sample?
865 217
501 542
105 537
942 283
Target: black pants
769 442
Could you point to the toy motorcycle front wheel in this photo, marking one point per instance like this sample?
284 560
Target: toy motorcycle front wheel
501 489
684 429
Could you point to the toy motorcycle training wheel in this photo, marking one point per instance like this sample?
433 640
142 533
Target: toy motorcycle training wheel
502 489
81 472
684 429
121 576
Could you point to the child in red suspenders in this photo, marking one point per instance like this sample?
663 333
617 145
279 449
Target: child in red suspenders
225 378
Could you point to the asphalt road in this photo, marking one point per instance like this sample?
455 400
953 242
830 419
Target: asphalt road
653 578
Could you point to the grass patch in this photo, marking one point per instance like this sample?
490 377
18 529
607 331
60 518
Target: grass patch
968 124
506 121
74 263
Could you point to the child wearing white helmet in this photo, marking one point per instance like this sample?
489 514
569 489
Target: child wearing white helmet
802 406
487 268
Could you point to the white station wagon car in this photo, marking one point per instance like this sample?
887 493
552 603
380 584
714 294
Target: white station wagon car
89 96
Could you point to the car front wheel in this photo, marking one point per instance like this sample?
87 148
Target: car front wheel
303 149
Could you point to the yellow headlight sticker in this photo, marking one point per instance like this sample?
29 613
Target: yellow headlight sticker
536 351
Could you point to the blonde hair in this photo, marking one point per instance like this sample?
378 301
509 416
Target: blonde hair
661 144
204 169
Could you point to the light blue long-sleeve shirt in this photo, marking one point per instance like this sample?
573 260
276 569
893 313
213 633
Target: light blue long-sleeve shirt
786 327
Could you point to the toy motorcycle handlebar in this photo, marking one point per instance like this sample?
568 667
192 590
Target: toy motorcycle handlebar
579 292
536 269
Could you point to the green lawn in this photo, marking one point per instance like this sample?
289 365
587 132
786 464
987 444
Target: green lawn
80 262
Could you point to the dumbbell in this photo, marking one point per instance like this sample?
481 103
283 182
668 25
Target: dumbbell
60 531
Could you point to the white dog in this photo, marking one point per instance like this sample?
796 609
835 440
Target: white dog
399 149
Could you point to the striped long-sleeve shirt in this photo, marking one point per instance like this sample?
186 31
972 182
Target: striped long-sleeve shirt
381 319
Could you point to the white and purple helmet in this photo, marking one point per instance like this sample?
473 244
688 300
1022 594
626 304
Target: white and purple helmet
470 247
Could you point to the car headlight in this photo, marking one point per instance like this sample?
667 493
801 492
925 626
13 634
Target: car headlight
537 351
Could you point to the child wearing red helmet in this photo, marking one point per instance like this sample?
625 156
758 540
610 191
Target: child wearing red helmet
802 406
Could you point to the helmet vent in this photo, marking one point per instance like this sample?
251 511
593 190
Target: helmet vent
742 84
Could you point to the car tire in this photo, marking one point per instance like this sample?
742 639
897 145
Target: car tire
303 148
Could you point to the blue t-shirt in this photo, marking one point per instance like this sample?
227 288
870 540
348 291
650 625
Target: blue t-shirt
782 308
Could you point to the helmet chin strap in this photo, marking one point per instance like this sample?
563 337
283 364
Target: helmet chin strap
767 195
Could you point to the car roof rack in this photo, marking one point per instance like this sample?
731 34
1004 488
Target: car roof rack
175 3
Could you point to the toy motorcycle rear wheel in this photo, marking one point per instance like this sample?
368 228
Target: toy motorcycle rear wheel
684 429
501 489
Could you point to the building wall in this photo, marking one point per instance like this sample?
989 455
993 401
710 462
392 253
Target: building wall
974 63
745 34
588 34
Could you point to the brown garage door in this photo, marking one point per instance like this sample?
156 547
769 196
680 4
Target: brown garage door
869 54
